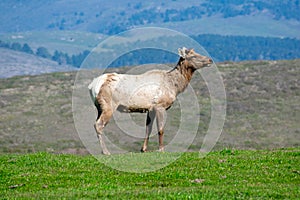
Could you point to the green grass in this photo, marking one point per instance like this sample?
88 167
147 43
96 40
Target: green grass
227 174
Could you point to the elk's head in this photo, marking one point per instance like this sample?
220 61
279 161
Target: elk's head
192 59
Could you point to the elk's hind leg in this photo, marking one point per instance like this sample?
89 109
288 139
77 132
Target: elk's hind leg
102 119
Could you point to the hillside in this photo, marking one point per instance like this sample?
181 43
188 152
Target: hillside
228 30
250 17
71 48
14 63
262 110
71 42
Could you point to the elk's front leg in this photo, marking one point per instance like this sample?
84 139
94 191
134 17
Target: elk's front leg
149 123
160 120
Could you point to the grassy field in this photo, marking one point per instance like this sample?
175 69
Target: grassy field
226 174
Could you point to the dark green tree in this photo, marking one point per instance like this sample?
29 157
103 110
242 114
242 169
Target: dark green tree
26 48
16 46
43 52
78 59
61 58
4 44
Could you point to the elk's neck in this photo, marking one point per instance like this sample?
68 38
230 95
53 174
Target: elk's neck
181 76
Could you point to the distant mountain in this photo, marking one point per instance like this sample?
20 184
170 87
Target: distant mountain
230 17
13 63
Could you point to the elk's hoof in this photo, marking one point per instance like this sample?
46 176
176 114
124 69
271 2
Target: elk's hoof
143 150
106 153
161 149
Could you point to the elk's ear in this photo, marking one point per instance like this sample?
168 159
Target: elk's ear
182 52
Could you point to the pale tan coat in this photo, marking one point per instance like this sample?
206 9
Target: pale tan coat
152 92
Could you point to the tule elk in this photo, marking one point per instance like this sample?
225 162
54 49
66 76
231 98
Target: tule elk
152 92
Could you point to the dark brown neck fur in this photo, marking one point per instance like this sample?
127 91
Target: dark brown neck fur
181 75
